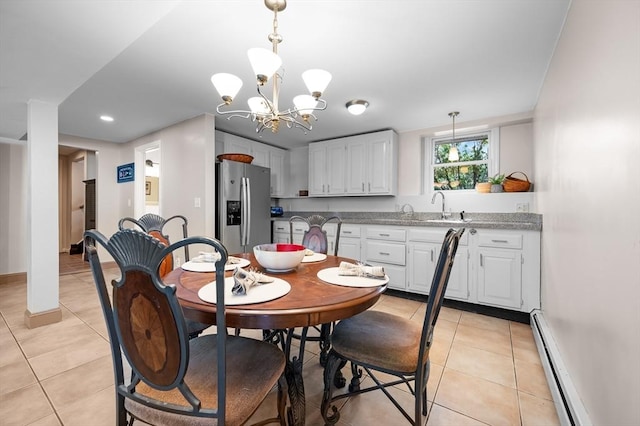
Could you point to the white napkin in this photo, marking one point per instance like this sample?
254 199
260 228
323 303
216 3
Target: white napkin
309 252
360 270
212 257
244 279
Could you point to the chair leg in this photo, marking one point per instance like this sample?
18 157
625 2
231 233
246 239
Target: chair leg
334 363
282 400
356 375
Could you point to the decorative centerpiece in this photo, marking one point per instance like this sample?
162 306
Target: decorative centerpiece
496 183
279 257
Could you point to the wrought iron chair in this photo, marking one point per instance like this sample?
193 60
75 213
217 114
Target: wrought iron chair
176 380
315 238
381 342
154 225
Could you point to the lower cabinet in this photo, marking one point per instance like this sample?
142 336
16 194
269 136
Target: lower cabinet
424 250
493 267
280 232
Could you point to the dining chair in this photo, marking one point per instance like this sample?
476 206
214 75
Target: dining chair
154 225
175 380
380 342
315 238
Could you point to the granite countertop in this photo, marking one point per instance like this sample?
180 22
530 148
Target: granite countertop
523 221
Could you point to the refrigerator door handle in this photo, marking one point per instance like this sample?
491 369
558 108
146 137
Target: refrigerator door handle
245 196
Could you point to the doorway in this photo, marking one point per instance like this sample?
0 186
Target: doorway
148 190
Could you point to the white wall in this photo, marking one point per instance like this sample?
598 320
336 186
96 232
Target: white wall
587 147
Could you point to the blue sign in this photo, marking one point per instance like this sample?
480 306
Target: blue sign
126 173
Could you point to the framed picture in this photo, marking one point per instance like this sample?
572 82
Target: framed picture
147 187
126 173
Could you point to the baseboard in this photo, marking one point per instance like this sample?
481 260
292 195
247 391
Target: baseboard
568 404
17 278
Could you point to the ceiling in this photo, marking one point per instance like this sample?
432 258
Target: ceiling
148 63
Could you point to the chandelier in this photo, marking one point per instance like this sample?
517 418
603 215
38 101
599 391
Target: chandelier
265 64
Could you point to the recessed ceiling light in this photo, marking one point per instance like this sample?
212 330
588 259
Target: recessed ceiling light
357 106
106 118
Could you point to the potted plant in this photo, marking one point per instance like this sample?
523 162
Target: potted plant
496 183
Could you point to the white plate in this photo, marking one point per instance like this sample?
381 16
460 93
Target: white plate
211 266
256 294
331 276
315 257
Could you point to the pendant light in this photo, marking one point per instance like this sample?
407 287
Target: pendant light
453 150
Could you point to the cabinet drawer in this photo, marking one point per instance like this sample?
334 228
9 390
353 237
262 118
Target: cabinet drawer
433 235
388 234
280 226
385 252
513 241
350 231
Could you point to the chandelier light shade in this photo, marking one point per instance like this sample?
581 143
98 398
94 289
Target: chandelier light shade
266 65
357 106
453 150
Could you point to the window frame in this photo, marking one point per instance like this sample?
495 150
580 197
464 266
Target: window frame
493 162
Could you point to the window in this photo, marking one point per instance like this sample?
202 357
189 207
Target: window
478 160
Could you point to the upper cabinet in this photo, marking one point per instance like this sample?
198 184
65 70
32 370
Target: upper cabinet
327 168
354 165
263 155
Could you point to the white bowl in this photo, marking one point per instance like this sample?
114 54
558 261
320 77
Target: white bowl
279 257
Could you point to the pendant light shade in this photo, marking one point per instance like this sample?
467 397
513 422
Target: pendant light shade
258 106
454 155
227 85
264 63
317 81
305 104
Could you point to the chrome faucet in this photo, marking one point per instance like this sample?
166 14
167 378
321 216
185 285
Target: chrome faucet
443 215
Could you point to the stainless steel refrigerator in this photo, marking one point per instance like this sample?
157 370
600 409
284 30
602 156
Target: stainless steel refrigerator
243 217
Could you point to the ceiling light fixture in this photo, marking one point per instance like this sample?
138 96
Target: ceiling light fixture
265 66
453 150
357 106
106 118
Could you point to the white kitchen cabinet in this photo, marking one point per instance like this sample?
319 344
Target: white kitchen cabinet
423 252
350 244
281 232
263 155
354 165
371 167
326 168
499 277
385 246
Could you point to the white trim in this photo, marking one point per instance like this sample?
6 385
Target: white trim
568 404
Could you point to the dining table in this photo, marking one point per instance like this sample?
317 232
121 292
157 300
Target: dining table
310 301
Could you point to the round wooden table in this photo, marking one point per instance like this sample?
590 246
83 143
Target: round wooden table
310 302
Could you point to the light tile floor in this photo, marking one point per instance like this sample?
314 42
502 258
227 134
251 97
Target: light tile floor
484 370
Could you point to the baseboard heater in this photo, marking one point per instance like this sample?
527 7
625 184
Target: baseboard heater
568 404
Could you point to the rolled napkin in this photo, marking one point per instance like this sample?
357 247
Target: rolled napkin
309 252
244 279
361 270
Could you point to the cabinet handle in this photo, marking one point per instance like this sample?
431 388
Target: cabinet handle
481 260
369 186
383 235
383 253
499 241
362 186
473 231
346 232
432 255
323 188
328 188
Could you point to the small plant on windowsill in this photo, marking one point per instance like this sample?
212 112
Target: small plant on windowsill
496 183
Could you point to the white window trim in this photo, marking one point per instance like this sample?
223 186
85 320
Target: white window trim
493 162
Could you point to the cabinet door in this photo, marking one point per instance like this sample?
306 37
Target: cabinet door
234 144
500 277
260 153
458 285
280 237
378 165
335 168
356 166
350 247
317 168
276 164
422 261
397 276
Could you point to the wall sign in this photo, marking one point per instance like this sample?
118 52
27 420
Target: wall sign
126 173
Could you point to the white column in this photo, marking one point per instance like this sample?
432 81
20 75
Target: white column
42 215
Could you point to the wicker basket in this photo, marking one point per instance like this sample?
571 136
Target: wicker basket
242 158
512 184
